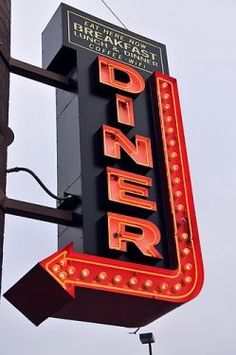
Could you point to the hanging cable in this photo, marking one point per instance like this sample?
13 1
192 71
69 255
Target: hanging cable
44 187
136 331
109 8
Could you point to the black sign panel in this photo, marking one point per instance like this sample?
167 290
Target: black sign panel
108 41
82 31
80 116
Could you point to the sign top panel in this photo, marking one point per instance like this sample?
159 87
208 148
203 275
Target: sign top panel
84 31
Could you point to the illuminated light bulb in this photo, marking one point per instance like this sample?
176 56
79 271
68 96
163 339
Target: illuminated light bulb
187 267
163 287
56 268
173 155
84 273
132 282
177 287
147 284
176 181
164 85
171 143
166 107
168 119
166 96
178 193
62 275
169 130
71 270
185 252
187 280
175 167
183 237
180 208
102 276
63 262
117 279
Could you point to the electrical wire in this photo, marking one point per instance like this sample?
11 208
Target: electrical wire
44 187
136 331
113 13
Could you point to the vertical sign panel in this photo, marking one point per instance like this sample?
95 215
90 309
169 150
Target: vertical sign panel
121 148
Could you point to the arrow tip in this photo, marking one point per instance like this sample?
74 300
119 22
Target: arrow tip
37 295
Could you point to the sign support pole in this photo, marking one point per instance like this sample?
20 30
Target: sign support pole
150 348
5 32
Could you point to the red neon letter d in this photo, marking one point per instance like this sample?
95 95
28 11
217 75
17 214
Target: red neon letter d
107 75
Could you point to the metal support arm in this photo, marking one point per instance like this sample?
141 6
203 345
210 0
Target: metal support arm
39 212
41 75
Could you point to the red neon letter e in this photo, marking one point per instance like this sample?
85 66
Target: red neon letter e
124 187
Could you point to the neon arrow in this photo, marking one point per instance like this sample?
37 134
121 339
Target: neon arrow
75 286
71 269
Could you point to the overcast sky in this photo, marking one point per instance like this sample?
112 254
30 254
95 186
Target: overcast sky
200 40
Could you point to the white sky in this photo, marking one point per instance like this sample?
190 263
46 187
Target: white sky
200 39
